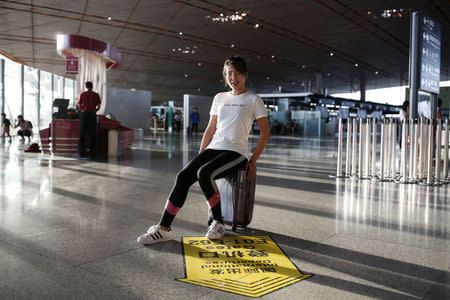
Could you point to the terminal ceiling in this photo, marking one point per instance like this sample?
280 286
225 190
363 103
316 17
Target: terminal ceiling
176 47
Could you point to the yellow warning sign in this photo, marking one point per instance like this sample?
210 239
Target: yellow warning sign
246 265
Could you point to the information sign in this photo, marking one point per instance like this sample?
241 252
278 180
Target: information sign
246 265
71 65
430 53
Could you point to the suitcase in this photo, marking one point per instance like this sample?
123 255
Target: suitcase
237 199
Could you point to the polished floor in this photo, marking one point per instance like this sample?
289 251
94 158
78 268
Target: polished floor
68 227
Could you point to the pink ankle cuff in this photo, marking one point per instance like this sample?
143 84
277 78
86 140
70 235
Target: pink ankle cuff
214 200
172 209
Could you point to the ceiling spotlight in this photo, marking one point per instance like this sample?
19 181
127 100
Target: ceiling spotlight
331 53
198 89
173 49
221 15
304 67
243 14
199 64
293 82
185 75
356 65
180 33
267 77
256 25
232 45
133 89
109 18
376 72
273 56
328 74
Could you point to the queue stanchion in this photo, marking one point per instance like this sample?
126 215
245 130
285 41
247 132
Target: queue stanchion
446 141
382 148
430 154
355 143
421 151
368 148
373 169
415 163
437 176
412 142
348 148
394 150
339 155
361 149
389 149
426 148
404 152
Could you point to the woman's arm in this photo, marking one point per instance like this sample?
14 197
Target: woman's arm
209 132
263 125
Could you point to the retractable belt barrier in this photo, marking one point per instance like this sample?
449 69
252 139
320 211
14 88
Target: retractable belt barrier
423 146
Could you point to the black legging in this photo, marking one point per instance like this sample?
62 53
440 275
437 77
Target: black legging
205 167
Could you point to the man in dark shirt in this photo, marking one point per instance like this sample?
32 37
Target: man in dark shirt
89 104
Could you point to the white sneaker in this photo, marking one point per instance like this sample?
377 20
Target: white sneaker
215 231
155 234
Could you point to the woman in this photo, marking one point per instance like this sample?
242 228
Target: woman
224 149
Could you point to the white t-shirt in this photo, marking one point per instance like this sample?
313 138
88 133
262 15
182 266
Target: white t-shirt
235 116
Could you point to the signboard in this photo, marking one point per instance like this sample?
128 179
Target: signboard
430 53
71 65
252 266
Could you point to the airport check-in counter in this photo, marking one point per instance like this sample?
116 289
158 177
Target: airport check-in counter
61 138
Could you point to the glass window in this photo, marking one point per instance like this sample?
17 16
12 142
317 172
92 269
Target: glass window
13 90
31 96
58 86
46 100
68 91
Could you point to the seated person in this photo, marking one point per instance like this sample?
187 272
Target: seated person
25 128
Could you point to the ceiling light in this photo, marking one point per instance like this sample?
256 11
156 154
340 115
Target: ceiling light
221 15
244 14
267 77
304 67
185 75
293 82
109 18
180 33
331 53
356 65
273 56
173 49
256 25
199 64
376 72
133 89
198 89
232 46
328 74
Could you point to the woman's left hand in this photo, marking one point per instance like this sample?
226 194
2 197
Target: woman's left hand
251 170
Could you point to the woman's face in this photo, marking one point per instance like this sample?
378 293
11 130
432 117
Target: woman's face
235 79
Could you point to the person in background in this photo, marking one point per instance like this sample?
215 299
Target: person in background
25 128
438 112
195 118
177 119
6 124
89 103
